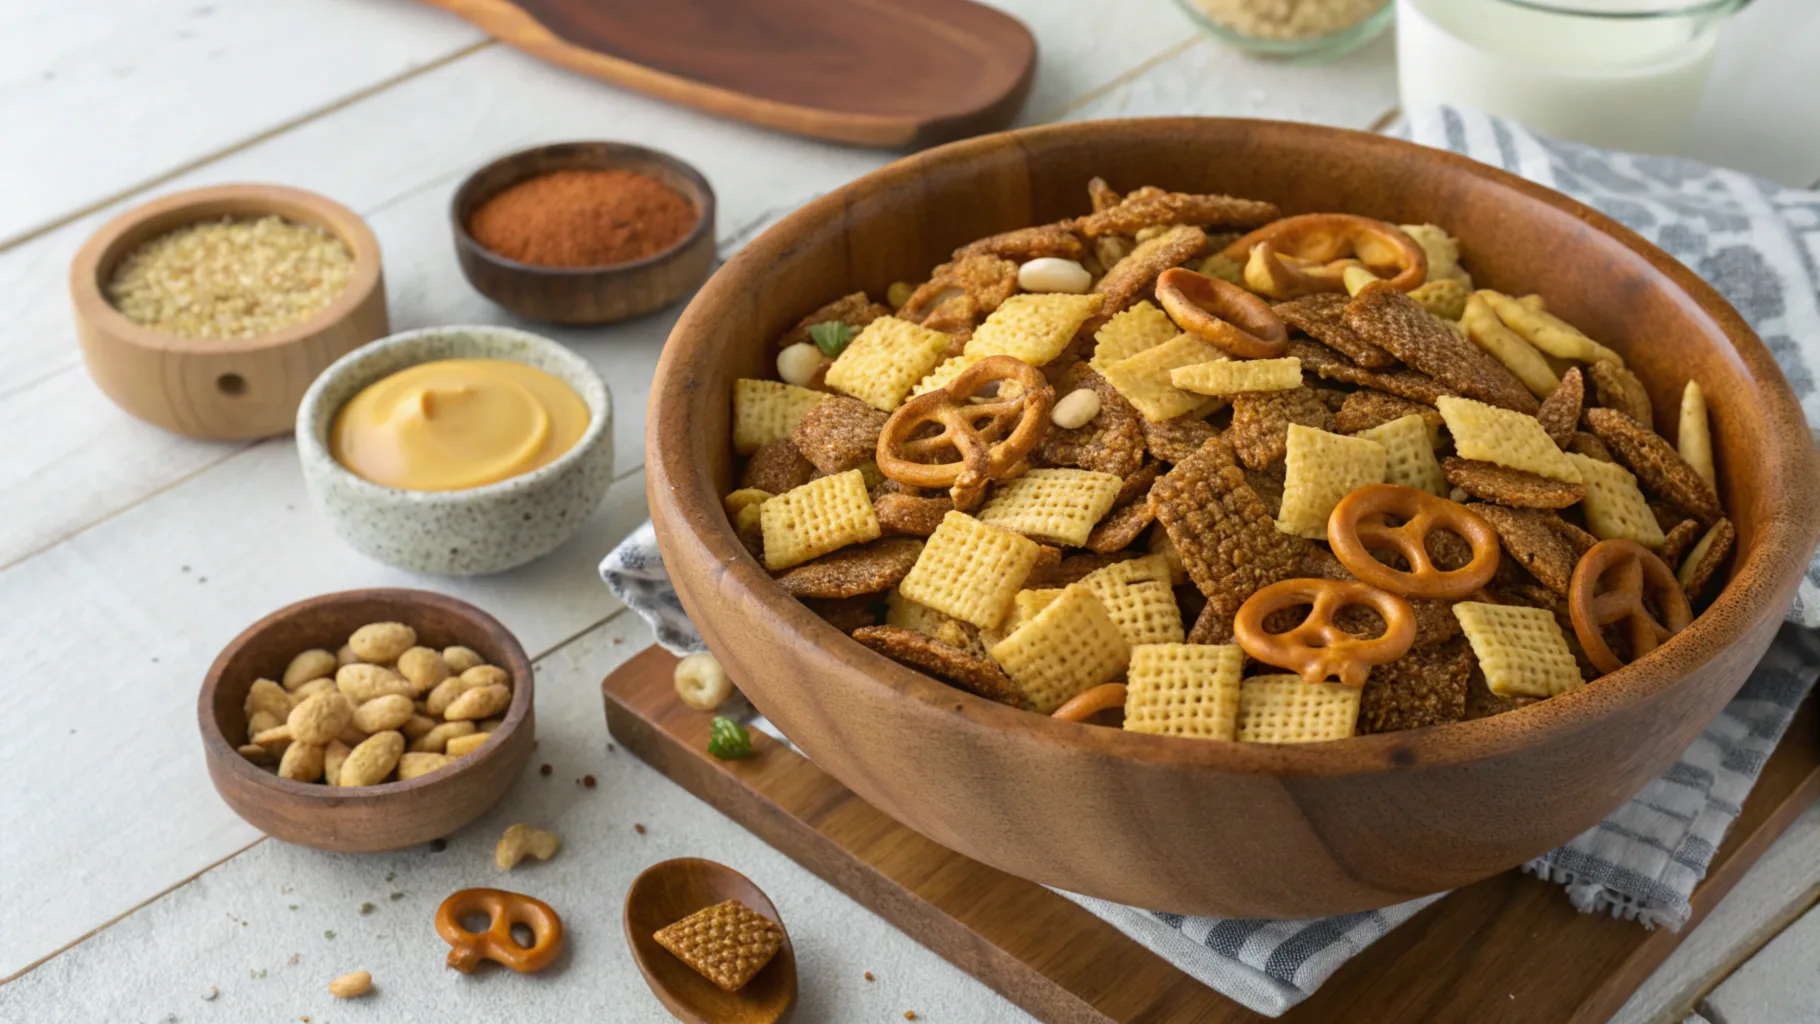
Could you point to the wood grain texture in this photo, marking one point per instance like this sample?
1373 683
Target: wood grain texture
1509 948
585 295
667 892
222 388
897 73
1290 831
389 816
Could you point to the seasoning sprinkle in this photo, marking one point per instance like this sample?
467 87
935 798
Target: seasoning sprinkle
583 218
231 278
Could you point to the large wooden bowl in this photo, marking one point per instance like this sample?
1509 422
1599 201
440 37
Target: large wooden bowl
392 815
1188 825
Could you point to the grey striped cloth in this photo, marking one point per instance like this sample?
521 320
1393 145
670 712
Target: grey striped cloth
1759 245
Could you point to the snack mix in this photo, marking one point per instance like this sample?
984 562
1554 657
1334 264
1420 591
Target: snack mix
1229 475
382 709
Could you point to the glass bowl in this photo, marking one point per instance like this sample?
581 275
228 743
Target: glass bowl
1303 50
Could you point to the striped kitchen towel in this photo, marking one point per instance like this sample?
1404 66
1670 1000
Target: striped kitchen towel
1759 245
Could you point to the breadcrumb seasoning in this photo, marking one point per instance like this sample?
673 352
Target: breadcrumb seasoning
231 278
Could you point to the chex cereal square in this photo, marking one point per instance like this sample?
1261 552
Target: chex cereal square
944 372
1411 453
1232 376
728 943
1132 570
1145 611
887 358
1177 689
767 410
970 570
1284 709
1521 651
1320 468
822 515
1144 378
1614 504
1508 438
1057 506
1131 331
904 613
1034 328
1070 646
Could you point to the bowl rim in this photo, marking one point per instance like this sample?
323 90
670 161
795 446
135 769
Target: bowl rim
314 454
678 499
464 197
104 248
226 755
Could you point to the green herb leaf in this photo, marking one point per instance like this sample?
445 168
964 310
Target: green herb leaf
831 337
728 739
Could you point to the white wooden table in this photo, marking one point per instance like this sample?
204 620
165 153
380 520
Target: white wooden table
129 556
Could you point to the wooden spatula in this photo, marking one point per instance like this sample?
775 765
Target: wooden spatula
891 73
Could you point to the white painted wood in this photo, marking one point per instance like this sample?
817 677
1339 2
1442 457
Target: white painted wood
107 799
1780 985
1763 902
100 96
267 931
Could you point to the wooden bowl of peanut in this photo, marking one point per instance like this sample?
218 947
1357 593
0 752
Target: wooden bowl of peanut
367 720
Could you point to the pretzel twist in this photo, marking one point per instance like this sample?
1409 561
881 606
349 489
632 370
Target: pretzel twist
1625 568
1310 253
503 909
1318 650
1357 528
1223 313
990 435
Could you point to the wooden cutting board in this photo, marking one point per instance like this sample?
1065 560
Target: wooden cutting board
891 73
1510 948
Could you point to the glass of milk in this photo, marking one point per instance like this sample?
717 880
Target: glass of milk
1627 74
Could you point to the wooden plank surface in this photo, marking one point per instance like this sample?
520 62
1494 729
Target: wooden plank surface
1472 956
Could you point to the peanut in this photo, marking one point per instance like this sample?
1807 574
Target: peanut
701 682
410 766
302 762
255 753
280 733
369 763
521 841
436 739
419 725
461 746
424 668
269 697
333 757
380 643
460 659
481 702
351 986
362 683
311 664
381 713
353 735
345 656
321 718
260 721
445 693
312 688
1076 409
489 724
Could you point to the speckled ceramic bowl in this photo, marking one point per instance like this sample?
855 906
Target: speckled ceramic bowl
466 532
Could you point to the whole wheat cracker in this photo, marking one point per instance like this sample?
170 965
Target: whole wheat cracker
1677 540
909 516
1399 325
1227 539
839 434
1024 244
1661 469
1707 556
1174 440
1368 408
1121 527
1144 209
1488 481
1618 388
846 613
1326 363
1268 485
1127 281
987 280
728 943
1322 316
1261 419
978 676
1426 686
1111 442
1137 483
855 310
1590 446
777 467
1074 568
1528 536
852 571
1560 411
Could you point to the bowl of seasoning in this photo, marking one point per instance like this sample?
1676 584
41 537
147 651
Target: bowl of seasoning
457 450
209 312
584 232
1305 31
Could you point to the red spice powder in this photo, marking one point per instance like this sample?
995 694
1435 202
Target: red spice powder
583 219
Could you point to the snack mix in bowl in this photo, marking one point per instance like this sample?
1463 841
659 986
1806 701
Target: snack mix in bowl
1230 474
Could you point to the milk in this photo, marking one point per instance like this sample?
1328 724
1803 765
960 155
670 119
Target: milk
1625 83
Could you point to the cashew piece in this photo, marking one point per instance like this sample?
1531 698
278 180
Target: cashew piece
521 841
351 986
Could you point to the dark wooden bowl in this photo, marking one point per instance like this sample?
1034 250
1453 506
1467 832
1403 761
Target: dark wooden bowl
393 815
585 295
221 389
1188 825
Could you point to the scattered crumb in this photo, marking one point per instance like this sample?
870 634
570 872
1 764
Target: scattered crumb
391 875
438 845
397 896
296 958
293 906
609 748
211 994
328 934
640 829
588 781
618 640
909 1014
367 908
256 972
869 976
545 770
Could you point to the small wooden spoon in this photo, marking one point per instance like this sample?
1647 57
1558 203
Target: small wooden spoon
668 892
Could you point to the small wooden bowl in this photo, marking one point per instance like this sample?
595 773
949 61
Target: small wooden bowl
222 389
667 892
585 295
384 817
